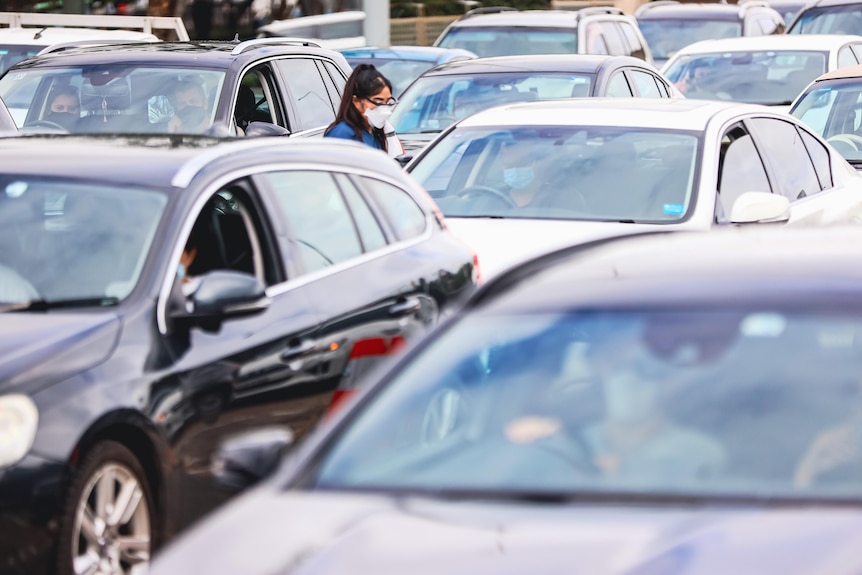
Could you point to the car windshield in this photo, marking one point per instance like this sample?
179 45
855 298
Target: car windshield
71 241
562 172
508 41
400 72
834 110
121 99
434 103
758 77
846 19
666 37
11 54
703 402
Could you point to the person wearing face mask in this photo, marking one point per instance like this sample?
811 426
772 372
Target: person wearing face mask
636 443
364 112
519 173
64 108
191 109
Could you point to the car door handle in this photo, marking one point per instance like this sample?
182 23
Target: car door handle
298 350
408 306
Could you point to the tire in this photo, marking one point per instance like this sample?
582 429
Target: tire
113 543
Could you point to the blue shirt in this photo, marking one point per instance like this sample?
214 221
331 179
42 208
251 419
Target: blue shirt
345 132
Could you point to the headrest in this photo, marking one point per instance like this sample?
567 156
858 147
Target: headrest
115 95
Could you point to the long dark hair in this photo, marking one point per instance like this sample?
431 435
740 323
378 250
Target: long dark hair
365 82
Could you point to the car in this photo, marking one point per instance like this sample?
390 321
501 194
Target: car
501 31
669 26
338 30
639 405
160 292
447 93
517 180
403 64
828 17
830 107
29 34
770 70
281 86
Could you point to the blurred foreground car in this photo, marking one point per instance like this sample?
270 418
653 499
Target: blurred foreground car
831 107
770 70
670 26
158 293
651 405
444 95
517 180
218 88
403 64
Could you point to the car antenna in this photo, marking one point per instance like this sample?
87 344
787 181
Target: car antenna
236 37
38 34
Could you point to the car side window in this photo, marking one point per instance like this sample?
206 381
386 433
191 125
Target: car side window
846 57
321 226
857 51
783 149
402 213
645 84
312 100
331 88
819 157
370 232
635 44
596 43
740 170
256 100
618 86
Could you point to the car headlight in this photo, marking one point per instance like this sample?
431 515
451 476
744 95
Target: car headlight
19 418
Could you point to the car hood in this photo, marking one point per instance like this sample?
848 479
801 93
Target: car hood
293 533
38 349
502 243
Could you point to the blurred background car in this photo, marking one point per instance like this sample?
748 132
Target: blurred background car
520 179
669 26
787 8
403 64
157 293
832 107
501 31
828 17
769 70
448 93
653 404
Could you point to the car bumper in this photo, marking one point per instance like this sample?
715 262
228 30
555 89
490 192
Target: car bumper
30 506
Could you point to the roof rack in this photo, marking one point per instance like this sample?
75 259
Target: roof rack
488 10
272 41
590 10
63 46
145 24
655 3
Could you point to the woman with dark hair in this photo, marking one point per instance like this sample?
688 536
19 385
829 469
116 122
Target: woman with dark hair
365 108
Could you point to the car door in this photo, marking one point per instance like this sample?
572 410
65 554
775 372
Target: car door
370 292
799 170
246 372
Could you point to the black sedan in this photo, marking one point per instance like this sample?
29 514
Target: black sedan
159 293
649 405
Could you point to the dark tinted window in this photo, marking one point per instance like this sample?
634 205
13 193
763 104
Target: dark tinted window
791 165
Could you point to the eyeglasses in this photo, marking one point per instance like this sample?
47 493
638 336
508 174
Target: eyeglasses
380 102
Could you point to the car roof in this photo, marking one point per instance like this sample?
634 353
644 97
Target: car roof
49 36
819 3
693 11
589 63
854 71
524 18
728 266
820 42
667 113
171 162
194 54
419 53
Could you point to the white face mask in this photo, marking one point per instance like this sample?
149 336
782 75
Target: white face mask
377 116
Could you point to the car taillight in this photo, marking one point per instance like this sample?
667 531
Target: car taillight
477 271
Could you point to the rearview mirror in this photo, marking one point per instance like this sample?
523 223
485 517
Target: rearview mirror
243 460
760 207
403 159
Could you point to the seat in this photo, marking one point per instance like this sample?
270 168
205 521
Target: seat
245 107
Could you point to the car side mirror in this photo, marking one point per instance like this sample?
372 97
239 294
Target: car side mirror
224 294
760 208
262 129
244 459
404 159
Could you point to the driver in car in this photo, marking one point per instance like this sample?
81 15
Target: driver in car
191 110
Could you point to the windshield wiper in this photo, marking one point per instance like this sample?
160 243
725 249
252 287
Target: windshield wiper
43 305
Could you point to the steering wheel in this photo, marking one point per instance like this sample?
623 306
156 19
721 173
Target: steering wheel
45 124
471 191
851 140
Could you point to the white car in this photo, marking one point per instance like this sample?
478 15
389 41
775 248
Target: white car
769 70
518 180
26 35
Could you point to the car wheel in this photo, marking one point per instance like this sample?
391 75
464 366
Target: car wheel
109 524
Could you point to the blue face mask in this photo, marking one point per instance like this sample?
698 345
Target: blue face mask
518 178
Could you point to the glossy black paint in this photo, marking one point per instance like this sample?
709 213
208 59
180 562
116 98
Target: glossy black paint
170 391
